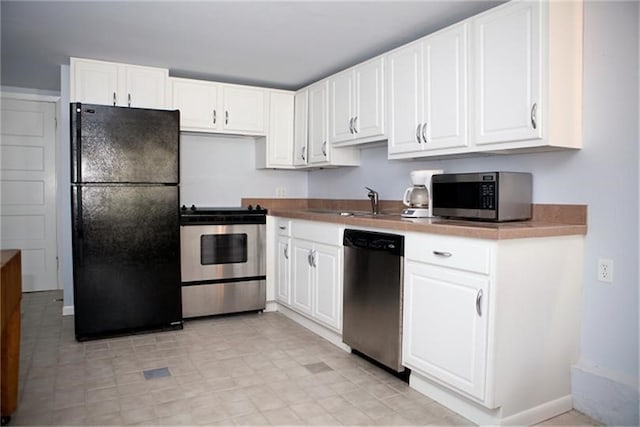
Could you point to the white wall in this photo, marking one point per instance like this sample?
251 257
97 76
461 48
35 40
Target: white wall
220 170
604 175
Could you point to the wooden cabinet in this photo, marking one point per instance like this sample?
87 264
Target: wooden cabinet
215 107
527 76
356 109
110 83
427 94
10 298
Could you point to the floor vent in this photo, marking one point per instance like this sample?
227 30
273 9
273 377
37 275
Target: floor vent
156 373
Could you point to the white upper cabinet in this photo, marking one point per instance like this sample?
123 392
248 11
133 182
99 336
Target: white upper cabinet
279 139
356 104
300 128
244 109
123 85
427 87
198 104
527 76
216 107
318 146
507 74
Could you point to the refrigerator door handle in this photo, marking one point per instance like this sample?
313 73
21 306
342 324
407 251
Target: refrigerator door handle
76 142
77 225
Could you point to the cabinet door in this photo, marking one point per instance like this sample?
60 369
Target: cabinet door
318 147
94 82
300 136
445 89
280 132
445 326
145 87
404 82
283 270
301 276
341 112
327 271
197 102
369 108
244 109
507 74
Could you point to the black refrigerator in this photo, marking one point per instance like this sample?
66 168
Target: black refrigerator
125 220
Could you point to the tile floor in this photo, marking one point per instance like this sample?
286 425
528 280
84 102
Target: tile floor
252 369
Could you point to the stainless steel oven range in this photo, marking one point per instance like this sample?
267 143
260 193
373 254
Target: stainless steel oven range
222 260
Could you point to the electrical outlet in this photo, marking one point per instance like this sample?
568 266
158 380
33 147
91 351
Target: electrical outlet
281 191
605 270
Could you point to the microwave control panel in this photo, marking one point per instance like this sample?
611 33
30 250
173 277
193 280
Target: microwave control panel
487 195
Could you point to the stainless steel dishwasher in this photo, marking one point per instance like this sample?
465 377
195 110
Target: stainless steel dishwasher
372 298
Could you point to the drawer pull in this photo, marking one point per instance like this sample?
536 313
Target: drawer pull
442 254
282 227
479 303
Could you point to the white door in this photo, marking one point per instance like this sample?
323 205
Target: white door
327 271
198 104
405 99
145 87
369 108
28 189
507 74
445 89
283 272
300 136
280 134
445 326
95 82
341 111
244 109
318 102
301 276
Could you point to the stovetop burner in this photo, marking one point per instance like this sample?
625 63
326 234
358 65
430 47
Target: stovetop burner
222 215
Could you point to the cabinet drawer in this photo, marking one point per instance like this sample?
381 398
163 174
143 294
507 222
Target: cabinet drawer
283 227
329 234
452 252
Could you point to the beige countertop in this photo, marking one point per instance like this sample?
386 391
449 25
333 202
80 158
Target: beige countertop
548 220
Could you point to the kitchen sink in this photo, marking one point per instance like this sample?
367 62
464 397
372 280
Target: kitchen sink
361 214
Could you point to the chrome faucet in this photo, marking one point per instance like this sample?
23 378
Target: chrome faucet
373 196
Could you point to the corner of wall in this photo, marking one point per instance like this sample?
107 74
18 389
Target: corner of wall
599 395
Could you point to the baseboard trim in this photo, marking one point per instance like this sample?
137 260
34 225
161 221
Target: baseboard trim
605 396
68 310
329 335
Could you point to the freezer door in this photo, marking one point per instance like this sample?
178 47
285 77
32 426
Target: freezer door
124 145
126 244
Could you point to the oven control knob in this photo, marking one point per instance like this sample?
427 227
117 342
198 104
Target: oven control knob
250 207
193 207
258 208
183 208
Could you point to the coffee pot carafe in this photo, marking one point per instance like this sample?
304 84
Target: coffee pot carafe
418 198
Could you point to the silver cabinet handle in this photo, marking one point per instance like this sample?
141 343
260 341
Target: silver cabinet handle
351 125
424 128
324 148
479 303
309 258
114 99
313 258
534 110
442 254
129 100
418 133
214 117
282 227
286 251
355 125
304 151
226 117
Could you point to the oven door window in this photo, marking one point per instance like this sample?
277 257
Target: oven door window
223 248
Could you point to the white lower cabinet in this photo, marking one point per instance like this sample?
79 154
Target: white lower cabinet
491 328
445 325
311 259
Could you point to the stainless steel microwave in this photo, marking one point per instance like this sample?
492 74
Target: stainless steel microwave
485 196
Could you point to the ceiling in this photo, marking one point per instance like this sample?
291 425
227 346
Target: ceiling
279 44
